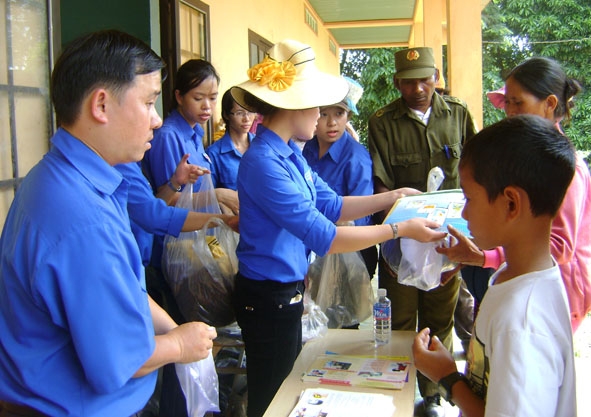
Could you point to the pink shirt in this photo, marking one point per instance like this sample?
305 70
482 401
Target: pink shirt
570 244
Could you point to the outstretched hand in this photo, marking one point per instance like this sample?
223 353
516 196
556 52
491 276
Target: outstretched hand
405 191
420 229
186 172
464 251
431 357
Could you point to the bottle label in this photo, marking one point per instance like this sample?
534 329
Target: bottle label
381 313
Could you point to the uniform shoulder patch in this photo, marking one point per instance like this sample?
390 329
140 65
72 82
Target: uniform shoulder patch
455 100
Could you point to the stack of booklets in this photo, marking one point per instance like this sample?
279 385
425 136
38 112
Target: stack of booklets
389 372
320 402
443 207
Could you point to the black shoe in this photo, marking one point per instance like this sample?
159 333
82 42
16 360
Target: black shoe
433 407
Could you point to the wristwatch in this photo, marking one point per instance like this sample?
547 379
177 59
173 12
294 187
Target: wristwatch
447 382
172 187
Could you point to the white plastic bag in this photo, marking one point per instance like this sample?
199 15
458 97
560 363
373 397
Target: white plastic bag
417 264
339 283
200 266
199 382
314 321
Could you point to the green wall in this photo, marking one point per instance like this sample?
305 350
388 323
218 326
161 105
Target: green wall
82 16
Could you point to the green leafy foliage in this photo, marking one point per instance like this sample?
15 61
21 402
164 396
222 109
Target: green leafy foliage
512 31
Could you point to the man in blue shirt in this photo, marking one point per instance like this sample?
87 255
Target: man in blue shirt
79 335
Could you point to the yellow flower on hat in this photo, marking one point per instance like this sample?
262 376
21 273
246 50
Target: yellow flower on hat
278 76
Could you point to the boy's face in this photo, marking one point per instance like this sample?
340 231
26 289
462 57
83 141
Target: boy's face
331 124
484 217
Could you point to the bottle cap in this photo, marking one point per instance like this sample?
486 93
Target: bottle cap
382 292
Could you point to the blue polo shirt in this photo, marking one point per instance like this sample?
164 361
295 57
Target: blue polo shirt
75 323
346 168
225 159
171 142
148 214
286 210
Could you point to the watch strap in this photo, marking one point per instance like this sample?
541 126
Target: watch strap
447 382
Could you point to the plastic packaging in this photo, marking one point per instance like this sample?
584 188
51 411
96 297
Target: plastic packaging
382 318
339 284
199 382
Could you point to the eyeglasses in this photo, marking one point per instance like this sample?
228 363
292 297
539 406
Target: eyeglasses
242 114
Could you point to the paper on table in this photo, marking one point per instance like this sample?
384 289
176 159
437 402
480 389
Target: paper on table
389 372
320 402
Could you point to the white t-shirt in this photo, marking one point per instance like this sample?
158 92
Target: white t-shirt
521 357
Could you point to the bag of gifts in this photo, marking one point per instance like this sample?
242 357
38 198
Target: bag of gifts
200 266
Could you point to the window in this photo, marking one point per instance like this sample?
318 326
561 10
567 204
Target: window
257 47
332 47
25 108
192 34
184 30
310 20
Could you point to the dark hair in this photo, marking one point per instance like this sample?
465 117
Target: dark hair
254 104
191 74
542 77
526 151
227 105
109 59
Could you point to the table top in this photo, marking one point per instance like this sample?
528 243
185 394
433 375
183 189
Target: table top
347 342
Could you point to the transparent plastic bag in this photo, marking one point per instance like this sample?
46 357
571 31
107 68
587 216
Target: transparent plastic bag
200 266
417 264
339 284
314 321
199 382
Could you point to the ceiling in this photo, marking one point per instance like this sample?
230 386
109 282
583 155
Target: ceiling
356 24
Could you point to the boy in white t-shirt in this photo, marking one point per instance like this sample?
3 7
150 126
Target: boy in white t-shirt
514 175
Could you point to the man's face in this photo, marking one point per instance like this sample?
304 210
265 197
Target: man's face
417 92
133 118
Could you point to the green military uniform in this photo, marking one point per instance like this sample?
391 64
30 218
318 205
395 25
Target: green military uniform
403 150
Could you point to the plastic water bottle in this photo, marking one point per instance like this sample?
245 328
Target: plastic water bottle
382 316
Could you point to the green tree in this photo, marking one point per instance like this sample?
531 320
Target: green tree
373 69
512 31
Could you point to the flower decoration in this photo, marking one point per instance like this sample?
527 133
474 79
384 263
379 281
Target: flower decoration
278 76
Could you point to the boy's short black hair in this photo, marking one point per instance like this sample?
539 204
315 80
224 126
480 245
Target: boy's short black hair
525 151
109 59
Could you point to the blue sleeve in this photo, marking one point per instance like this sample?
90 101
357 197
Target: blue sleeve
149 212
92 291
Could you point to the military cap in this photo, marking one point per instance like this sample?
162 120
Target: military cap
414 63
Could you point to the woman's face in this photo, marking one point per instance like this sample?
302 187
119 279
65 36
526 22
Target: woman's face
520 101
197 105
304 123
240 120
331 124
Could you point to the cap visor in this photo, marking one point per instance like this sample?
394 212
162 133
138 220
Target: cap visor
415 73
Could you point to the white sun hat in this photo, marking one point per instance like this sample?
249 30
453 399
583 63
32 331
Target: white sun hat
289 79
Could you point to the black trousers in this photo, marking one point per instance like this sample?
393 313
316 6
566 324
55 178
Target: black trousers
269 314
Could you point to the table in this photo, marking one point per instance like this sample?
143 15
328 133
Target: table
347 342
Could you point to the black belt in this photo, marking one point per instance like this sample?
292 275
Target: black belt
9 410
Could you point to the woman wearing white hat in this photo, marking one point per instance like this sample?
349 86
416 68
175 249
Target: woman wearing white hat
287 211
